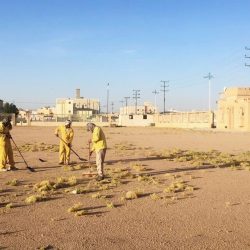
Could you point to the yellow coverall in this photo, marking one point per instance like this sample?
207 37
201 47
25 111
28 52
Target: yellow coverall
67 135
6 153
99 146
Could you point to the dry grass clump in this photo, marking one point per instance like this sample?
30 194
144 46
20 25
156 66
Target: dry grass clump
44 185
155 196
98 196
34 198
110 204
138 167
81 212
152 153
124 146
130 195
79 190
210 158
123 174
176 187
9 206
13 182
28 147
75 208
68 168
61 182
78 167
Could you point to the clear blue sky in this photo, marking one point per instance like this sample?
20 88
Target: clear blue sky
48 48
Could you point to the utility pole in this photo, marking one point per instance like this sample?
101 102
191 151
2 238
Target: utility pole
112 107
126 101
155 92
136 96
209 77
164 90
247 65
122 102
107 98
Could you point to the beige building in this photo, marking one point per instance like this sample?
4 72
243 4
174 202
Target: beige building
78 106
234 109
146 108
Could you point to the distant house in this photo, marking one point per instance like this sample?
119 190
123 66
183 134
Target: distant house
234 109
146 108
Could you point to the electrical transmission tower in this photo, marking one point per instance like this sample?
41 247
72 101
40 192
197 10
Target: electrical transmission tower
126 102
209 77
247 65
155 92
164 90
136 96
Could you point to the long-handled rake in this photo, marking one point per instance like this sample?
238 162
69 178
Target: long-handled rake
80 158
27 166
90 169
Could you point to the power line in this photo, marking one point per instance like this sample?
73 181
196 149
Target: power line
164 90
136 96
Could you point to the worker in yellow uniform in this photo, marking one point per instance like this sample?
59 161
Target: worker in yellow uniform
66 134
99 145
6 153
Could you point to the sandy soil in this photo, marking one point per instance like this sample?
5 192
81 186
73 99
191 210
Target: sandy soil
211 212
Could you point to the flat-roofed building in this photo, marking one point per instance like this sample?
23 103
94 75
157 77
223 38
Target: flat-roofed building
77 107
234 109
146 108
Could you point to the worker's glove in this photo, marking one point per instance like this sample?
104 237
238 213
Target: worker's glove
90 153
69 145
56 135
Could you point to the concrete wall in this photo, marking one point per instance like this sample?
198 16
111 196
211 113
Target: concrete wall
55 124
185 120
171 120
136 120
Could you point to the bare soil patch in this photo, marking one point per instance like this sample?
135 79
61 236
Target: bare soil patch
165 189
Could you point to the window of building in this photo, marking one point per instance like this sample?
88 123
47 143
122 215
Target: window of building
145 117
131 117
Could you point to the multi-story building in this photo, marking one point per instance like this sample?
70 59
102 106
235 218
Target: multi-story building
76 107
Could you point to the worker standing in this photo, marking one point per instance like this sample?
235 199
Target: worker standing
6 152
99 145
66 134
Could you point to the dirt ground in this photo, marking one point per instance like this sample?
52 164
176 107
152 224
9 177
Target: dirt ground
190 188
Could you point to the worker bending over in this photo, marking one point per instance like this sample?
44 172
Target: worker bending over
99 145
66 134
